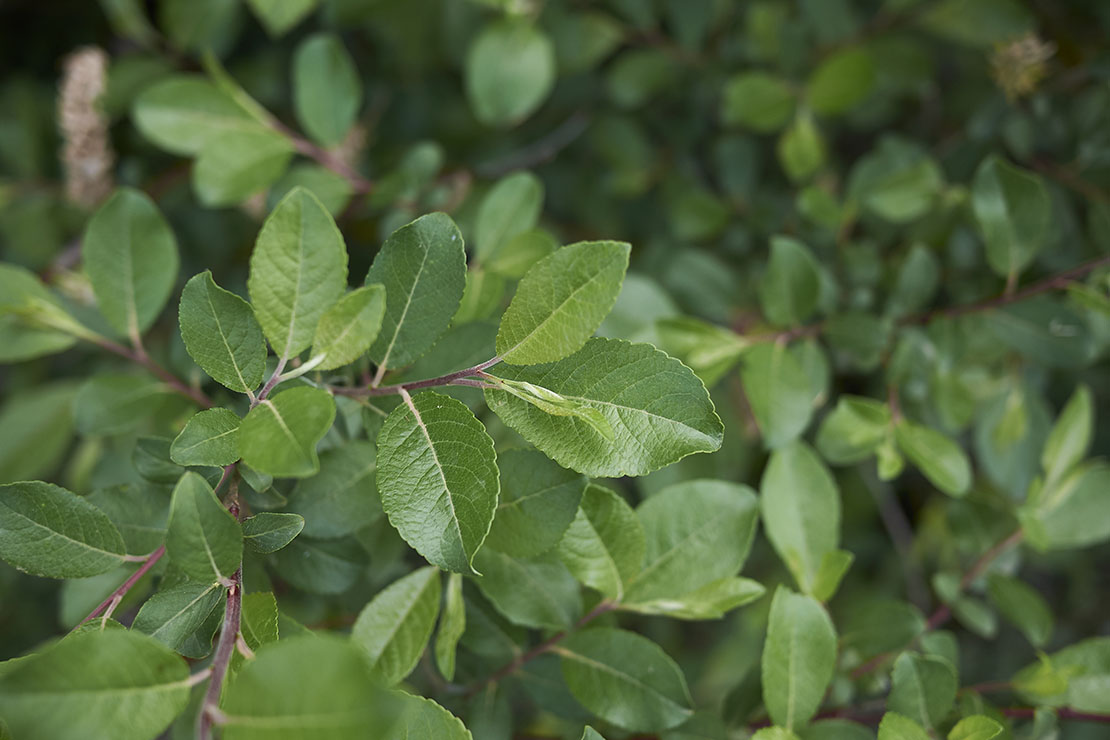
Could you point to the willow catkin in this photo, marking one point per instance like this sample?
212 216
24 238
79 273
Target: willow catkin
87 153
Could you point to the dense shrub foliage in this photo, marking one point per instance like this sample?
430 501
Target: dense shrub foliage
684 369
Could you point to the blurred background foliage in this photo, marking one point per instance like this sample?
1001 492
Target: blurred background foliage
836 175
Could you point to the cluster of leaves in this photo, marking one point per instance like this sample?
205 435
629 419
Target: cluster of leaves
417 470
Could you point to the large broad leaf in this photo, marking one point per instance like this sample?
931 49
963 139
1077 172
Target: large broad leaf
211 437
534 593
342 498
711 601
854 430
625 679
279 435
799 657
172 615
510 208
130 256
1014 213
21 291
895 726
452 625
43 414
561 302
510 70
269 531
327 92
139 515
98 683
48 531
757 100
1070 437
789 289
656 407
221 334
202 537
779 392
111 403
347 329
538 502
923 687
1074 677
800 505
975 727
841 81
423 268
298 270
437 474
182 114
605 544
697 532
240 164
1023 606
394 628
270 694
1073 512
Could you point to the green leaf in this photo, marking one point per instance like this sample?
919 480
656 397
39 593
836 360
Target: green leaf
590 733
211 437
394 628
96 683
111 403
1014 213
482 297
510 70
347 329
48 531
22 299
182 114
561 302
1075 512
321 566
778 390
535 593
837 729
789 289
342 497
854 430
801 149
940 459
625 679
517 255
1074 677
44 417
841 81
221 334
423 718
800 506
1070 437
550 402
151 459
604 546
711 601
709 350
340 703
896 727
799 657
539 501
774 733
139 516
834 566
279 16
758 101
327 92
259 623
1023 606
510 208
437 473
423 268
130 256
231 169
269 531
280 434
452 625
659 411
697 532
172 615
202 537
298 270
1045 330
975 727
898 181
923 687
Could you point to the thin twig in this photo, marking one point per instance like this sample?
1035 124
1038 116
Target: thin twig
543 150
140 357
224 649
124 587
516 663
456 378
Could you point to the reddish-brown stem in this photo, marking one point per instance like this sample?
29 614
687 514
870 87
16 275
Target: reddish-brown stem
324 158
139 356
124 587
526 657
944 612
454 378
229 633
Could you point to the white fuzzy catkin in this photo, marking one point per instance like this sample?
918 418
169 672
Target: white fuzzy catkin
87 152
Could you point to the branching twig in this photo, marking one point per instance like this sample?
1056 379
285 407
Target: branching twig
140 357
456 378
224 648
124 587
